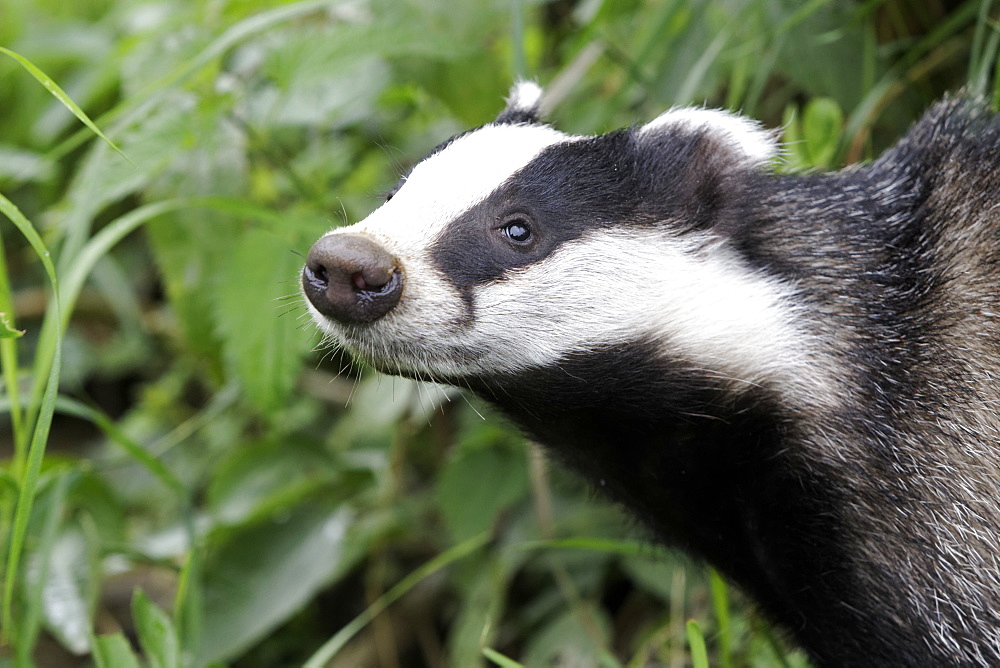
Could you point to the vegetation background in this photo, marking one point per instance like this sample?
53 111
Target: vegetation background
189 478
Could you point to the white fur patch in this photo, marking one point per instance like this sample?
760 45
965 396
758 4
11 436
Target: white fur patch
698 301
524 96
746 135
450 182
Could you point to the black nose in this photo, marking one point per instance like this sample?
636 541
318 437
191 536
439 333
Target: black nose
350 278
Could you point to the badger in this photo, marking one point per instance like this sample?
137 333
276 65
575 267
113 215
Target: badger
792 377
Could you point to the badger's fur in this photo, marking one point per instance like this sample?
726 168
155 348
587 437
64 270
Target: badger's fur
793 377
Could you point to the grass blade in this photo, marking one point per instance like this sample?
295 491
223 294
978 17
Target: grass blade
499 659
36 450
720 603
330 648
696 642
61 95
139 454
8 361
31 617
628 548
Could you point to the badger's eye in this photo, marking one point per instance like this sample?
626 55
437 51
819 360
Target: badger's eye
517 230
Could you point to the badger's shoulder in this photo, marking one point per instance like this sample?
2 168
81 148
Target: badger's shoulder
956 139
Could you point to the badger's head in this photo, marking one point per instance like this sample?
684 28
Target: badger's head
515 246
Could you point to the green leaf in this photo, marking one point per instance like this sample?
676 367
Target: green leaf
7 330
720 604
261 476
8 486
117 435
652 575
187 252
21 166
114 651
188 602
822 125
477 485
60 95
482 600
48 511
262 574
156 633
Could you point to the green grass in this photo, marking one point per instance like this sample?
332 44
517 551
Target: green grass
187 480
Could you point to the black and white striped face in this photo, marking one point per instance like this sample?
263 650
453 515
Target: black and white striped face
515 245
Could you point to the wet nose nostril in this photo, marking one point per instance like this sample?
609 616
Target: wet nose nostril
373 278
350 278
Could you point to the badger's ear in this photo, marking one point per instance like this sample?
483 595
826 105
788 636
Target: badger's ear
744 139
523 103
700 161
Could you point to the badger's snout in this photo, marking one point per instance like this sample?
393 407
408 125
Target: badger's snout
352 279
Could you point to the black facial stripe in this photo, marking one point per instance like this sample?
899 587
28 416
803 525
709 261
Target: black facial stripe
614 180
566 190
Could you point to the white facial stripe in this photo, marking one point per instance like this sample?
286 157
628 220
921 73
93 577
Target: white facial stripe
616 287
748 136
445 185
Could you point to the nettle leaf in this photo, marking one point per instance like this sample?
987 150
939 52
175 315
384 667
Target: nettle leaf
338 95
202 157
151 145
189 248
256 314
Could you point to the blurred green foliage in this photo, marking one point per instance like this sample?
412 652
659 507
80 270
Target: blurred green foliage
211 486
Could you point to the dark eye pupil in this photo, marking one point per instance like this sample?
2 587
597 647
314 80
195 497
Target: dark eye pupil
517 231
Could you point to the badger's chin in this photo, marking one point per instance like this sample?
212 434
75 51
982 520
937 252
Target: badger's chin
396 355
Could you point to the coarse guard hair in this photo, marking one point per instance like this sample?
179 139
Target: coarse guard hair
792 377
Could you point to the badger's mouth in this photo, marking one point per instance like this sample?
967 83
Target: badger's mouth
400 317
402 343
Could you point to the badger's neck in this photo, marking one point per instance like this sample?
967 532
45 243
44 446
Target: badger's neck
722 427
703 466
